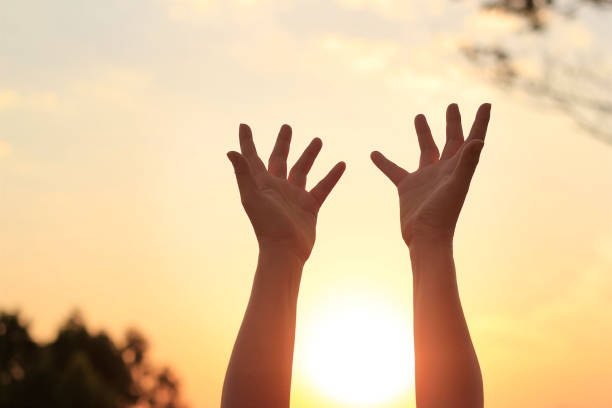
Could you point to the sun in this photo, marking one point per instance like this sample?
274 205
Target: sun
358 352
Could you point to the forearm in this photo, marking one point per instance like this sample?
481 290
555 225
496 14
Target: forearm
259 371
447 370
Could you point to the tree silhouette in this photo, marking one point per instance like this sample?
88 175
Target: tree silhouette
579 86
533 10
79 369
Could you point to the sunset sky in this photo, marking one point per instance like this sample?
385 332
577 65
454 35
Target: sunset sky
116 196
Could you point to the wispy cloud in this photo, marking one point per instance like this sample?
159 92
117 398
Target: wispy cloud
189 9
36 101
8 99
5 149
124 88
387 8
195 10
396 9
360 55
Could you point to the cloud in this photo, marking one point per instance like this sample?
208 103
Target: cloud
398 65
273 50
388 8
5 149
579 36
268 50
360 55
189 9
117 88
196 10
42 101
36 101
396 9
494 23
8 99
124 88
407 80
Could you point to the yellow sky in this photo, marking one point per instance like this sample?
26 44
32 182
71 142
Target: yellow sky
116 196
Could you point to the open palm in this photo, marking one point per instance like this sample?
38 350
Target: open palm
282 212
431 197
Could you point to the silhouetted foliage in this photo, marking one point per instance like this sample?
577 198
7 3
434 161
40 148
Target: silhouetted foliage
579 86
532 9
79 369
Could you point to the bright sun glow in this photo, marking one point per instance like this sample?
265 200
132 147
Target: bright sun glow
359 352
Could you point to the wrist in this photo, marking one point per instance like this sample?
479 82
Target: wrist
431 243
431 257
423 234
282 250
281 254
279 272
276 284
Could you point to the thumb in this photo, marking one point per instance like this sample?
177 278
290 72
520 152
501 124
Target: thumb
468 161
244 177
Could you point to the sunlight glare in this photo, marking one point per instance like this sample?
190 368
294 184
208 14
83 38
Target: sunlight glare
359 352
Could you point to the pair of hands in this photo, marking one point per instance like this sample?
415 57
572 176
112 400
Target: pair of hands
284 214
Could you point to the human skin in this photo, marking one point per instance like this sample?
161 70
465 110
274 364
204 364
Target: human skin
447 373
284 216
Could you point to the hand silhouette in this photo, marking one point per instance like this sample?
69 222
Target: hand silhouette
282 212
431 197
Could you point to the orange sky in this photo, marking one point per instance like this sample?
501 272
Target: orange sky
116 196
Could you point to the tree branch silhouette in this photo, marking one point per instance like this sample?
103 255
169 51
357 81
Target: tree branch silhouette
580 88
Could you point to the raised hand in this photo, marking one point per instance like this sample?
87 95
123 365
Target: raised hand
447 373
282 212
284 217
431 197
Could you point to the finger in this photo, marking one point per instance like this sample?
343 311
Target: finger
454 131
429 150
300 169
468 161
247 147
479 128
277 165
390 169
325 186
244 177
